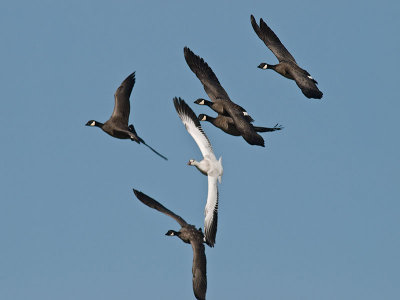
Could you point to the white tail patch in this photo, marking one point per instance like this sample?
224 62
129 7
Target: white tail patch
309 76
245 113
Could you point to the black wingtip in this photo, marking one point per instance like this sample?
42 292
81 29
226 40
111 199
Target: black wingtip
132 76
142 197
137 193
209 244
313 94
254 24
254 139
182 108
187 51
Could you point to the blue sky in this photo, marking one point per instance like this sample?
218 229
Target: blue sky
313 215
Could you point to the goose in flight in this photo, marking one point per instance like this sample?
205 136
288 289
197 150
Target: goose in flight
209 166
223 104
287 65
218 108
190 235
117 125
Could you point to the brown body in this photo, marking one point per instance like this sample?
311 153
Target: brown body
287 66
117 125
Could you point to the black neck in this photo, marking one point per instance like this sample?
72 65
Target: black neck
272 67
210 119
98 124
208 103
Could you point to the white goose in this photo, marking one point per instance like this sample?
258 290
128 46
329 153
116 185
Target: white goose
209 166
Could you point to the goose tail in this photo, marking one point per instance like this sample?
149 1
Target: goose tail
267 129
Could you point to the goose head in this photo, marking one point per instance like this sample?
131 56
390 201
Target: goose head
200 101
192 162
172 233
93 123
264 66
203 117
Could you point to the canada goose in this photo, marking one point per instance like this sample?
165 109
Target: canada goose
227 125
117 125
287 65
190 235
209 166
218 95
219 108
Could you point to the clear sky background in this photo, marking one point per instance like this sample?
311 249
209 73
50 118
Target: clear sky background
313 215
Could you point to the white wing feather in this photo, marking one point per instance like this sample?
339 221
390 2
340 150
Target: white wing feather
211 211
198 135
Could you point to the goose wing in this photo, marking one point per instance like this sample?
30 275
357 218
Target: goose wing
199 269
193 126
122 106
206 75
211 211
306 84
150 202
210 81
271 40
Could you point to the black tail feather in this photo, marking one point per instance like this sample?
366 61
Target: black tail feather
267 129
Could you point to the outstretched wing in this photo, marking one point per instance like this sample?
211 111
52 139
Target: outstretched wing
199 270
193 126
150 202
122 106
206 75
271 40
211 212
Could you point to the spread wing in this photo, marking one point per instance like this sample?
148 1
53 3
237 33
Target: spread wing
193 126
122 106
210 81
150 202
199 270
271 40
211 211
207 77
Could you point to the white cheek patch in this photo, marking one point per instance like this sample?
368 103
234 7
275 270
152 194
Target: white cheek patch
265 67
201 102
204 118
93 123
